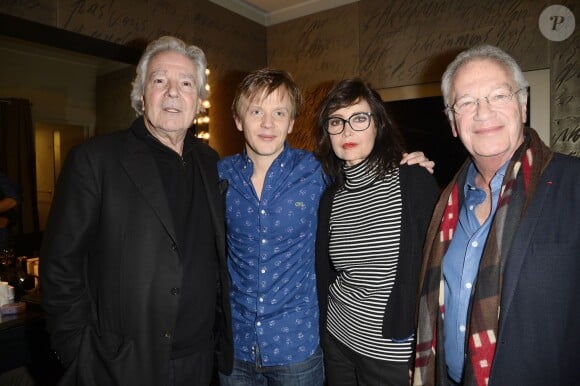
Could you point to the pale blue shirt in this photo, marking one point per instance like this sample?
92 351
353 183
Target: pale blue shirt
461 265
271 243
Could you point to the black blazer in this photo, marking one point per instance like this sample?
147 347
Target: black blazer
419 193
538 339
109 263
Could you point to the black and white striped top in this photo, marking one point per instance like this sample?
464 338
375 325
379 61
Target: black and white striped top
365 232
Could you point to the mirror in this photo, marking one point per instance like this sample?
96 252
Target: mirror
73 95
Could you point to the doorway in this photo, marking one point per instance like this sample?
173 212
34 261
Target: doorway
52 144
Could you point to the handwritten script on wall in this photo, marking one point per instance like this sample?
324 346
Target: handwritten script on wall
419 38
565 136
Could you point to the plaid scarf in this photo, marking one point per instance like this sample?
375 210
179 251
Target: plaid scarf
518 188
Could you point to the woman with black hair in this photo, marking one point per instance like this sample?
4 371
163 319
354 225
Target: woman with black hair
371 227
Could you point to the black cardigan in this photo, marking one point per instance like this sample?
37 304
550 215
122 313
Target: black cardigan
419 193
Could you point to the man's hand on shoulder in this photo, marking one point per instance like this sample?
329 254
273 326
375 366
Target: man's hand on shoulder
418 157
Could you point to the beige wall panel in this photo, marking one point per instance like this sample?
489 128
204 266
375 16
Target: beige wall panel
406 42
127 21
389 43
565 89
234 47
317 50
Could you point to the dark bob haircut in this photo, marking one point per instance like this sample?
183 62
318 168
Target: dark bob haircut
388 147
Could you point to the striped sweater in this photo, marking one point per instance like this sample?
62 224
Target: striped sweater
369 245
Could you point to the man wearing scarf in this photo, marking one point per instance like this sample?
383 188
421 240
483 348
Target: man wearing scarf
498 304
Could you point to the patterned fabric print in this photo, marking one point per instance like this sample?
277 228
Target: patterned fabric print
364 248
271 257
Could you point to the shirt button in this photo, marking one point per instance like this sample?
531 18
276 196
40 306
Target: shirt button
261 300
470 207
173 247
263 270
258 324
462 328
175 291
264 241
167 335
474 244
468 285
263 211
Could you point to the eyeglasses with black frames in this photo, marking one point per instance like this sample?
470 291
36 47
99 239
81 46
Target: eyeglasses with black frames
497 98
357 121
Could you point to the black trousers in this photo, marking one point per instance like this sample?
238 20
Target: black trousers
192 370
344 367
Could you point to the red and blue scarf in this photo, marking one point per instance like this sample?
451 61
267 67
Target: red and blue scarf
518 188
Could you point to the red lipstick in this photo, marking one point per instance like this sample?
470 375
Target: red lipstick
349 145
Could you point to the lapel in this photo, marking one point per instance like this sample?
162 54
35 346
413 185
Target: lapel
520 246
141 168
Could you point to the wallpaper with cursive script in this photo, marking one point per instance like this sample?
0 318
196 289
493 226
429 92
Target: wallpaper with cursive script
410 42
388 43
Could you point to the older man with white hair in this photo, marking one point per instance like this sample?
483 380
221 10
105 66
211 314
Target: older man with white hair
498 302
133 260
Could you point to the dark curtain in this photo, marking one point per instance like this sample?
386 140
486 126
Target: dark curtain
18 159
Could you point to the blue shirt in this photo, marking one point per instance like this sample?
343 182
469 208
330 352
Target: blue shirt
461 265
271 257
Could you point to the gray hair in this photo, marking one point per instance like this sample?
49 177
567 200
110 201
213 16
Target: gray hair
484 51
164 44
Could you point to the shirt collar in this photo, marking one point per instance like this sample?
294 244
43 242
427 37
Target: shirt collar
282 159
496 181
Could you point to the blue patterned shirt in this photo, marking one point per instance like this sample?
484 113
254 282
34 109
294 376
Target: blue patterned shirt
271 257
